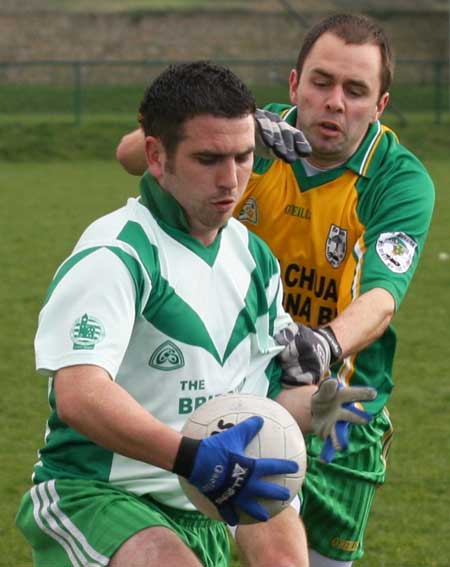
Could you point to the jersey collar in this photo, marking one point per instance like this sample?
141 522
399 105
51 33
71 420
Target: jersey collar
361 161
172 219
161 204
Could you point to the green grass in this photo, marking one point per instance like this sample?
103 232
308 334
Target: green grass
45 206
60 139
409 525
45 122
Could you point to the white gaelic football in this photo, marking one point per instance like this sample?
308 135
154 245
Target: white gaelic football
279 438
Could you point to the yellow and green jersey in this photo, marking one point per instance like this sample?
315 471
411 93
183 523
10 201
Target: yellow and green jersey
342 232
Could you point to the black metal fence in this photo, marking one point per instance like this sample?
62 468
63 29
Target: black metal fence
111 90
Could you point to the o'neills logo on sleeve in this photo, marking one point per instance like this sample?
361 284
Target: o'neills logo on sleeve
396 250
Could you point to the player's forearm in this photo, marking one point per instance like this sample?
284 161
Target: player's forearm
89 402
131 152
273 137
298 403
364 320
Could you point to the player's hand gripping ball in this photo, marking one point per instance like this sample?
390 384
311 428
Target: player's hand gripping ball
250 463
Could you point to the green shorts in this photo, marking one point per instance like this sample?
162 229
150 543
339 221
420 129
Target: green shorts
80 522
337 497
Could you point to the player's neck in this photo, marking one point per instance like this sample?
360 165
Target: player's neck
312 168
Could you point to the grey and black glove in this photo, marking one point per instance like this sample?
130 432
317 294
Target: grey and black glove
334 407
274 136
308 353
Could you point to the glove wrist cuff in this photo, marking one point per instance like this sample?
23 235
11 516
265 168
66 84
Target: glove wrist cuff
185 459
335 348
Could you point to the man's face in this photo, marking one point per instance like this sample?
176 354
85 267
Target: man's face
209 170
338 97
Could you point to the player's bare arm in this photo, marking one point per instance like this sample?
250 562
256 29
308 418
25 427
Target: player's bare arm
318 409
298 403
131 152
309 353
91 403
274 137
363 321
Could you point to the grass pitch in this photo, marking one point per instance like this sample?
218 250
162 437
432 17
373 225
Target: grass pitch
45 208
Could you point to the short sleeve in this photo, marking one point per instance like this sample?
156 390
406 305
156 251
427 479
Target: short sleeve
89 315
397 218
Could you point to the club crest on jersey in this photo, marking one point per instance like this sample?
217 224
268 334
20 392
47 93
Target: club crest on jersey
396 249
249 211
167 357
336 246
86 332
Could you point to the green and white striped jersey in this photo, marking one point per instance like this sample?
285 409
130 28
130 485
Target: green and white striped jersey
173 322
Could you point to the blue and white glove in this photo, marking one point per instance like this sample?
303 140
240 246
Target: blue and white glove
275 137
333 408
218 467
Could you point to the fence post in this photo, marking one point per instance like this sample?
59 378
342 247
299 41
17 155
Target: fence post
438 88
77 93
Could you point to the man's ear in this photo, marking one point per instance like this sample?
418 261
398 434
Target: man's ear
293 85
381 105
156 156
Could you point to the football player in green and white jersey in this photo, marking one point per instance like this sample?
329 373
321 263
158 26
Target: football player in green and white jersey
164 304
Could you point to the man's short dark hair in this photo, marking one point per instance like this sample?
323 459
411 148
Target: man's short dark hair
186 90
357 30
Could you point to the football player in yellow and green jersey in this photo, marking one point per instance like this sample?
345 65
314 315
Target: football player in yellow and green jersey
348 225
339 233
